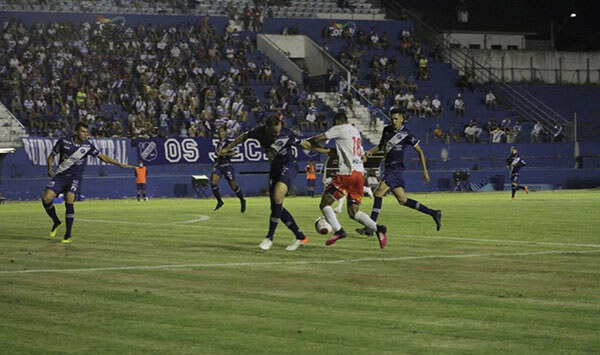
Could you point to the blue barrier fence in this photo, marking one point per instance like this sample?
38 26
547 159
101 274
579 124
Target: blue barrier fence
24 173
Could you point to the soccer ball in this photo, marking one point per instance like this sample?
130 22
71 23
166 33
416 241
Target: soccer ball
322 226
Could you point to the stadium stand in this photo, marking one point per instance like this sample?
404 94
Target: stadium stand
135 76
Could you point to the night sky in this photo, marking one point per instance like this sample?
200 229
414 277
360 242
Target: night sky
580 33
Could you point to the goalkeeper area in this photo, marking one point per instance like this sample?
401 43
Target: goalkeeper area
172 276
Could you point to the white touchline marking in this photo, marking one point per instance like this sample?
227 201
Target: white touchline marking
477 240
304 262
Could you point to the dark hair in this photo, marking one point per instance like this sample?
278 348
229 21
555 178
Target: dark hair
80 124
272 121
398 111
340 116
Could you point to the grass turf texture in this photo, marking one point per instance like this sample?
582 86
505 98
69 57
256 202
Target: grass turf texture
500 277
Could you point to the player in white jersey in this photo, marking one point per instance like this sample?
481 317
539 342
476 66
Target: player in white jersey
348 181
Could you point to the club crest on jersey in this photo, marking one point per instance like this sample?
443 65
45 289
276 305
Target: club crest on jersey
279 143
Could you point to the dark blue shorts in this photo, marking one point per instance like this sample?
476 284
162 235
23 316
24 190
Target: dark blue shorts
393 178
63 184
141 186
310 182
224 171
514 177
285 174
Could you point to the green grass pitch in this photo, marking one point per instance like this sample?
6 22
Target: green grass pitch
172 276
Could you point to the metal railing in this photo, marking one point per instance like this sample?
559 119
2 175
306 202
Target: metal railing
527 106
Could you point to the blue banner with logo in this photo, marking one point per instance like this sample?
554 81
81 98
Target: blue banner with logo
39 148
157 151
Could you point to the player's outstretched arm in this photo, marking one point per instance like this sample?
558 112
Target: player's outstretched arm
238 140
306 144
316 139
370 152
107 159
423 163
50 163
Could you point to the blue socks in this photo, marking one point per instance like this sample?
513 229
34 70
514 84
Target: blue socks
419 207
288 220
69 216
378 201
51 211
215 190
276 209
238 192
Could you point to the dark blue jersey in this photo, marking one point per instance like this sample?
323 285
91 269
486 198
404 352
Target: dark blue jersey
224 160
73 157
393 143
515 163
278 149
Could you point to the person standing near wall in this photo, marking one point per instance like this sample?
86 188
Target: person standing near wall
140 180
311 177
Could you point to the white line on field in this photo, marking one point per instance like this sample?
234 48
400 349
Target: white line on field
204 218
304 262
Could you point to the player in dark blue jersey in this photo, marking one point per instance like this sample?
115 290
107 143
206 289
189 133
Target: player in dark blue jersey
277 142
73 153
394 141
223 167
515 163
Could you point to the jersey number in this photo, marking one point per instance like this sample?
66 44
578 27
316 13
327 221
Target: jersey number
356 149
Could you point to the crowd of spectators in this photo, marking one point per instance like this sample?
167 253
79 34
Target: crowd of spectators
142 81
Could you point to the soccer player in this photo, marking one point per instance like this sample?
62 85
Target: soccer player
223 167
348 181
394 141
67 179
277 143
311 177
140 180
515 163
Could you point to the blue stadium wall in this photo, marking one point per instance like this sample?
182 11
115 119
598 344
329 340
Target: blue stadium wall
24 179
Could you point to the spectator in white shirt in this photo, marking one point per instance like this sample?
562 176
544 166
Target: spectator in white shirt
436 107
536 132
459 106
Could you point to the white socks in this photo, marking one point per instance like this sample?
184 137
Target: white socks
365 220
330 216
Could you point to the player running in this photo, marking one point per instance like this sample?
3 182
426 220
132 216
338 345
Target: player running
515 163
277 143
394 141
223 167
348 181
67 179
